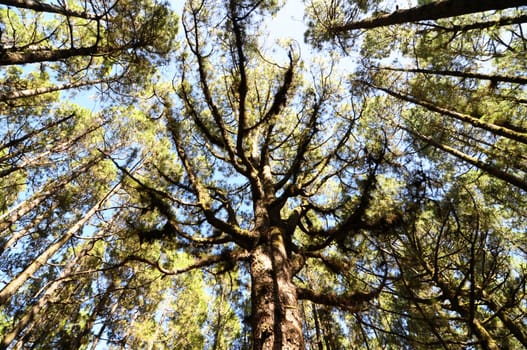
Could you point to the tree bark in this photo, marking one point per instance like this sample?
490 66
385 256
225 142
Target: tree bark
276 318
49 295
516 329
466 118
40 6
27 136
14 214
13 57
11 288
13 95
5 245
503 21
432 11
453 73
486 167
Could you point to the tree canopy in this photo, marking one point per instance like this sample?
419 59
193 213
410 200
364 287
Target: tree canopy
170 180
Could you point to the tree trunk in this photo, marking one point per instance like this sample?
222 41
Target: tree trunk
275 313
9 289
14 214
454 73
5 245
40 6
486 167
428 12
49 295
16 57
13 95
29 135
466 118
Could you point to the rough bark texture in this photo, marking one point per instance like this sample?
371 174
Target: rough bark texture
276 317
43 7
432 11
13 57
13 95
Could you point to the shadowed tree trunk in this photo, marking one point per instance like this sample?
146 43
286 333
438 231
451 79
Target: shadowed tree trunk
434 10
40 6
277 322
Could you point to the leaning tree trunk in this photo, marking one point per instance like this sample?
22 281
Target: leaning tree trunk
275 314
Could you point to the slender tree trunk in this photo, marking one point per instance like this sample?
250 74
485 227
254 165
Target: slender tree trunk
15 57
13 215
275 311
466 118
83 337
486 167
454 73
35 132
13 95
7 292
48 295
152 341
27 229
99 335
40 6
434 10
317 327
218 326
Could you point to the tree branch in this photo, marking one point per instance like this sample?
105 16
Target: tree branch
428 12
229 257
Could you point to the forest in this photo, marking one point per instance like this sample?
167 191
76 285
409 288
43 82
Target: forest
173 177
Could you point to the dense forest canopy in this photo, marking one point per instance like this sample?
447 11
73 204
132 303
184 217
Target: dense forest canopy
220 193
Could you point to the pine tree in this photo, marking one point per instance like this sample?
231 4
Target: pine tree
254 199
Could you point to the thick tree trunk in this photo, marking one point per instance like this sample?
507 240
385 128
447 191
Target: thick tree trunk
43 7
432 11
276 316
14 57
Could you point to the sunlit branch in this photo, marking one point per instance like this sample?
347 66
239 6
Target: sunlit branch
242 88
488 168
353 302
461 74
195 47
310 130
227 257
14 214
189 105
10 289
242 237
279 98
35 132
14 57
456 28
13 95
496 129
40 6
432 11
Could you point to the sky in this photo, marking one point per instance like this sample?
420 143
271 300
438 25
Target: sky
288 23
